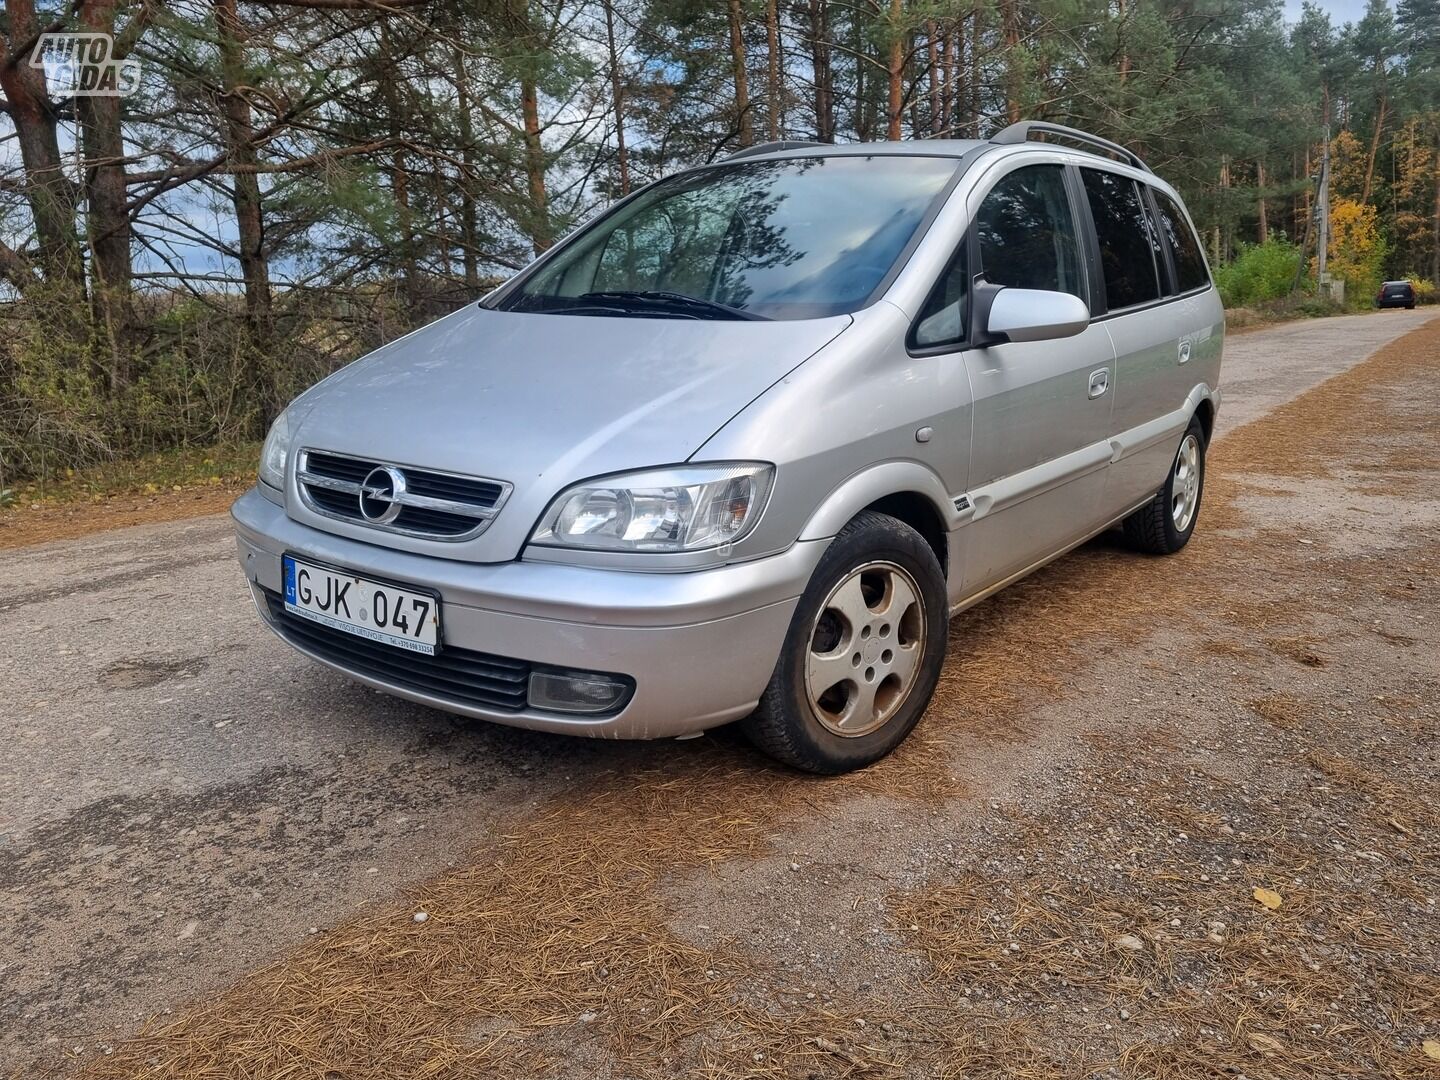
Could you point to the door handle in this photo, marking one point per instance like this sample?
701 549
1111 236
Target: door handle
1099 382
1184 352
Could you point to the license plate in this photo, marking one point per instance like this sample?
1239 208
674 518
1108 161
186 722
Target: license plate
369 609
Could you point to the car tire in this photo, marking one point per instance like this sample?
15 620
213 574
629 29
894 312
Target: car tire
1165 524
863 652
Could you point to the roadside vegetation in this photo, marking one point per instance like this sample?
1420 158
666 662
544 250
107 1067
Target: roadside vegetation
169 471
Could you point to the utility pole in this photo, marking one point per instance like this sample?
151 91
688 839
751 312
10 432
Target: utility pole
1322 208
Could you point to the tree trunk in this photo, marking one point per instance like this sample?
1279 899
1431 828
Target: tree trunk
400 182
975 31
932 52
1226 234
1374 149
617 93
823 73
245 183
895 71
862 113
469 216
744 131
1435 220
946 75
1010 29
1262 229
48 191
775 90
1124 49
107 216
409 268
541 236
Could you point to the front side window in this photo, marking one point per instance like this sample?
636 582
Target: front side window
1128 246
1027 234
942 320
1027 239
1189 262
790 239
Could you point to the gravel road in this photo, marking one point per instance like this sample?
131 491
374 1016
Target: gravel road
184 799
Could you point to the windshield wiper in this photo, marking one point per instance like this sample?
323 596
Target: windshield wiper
673 301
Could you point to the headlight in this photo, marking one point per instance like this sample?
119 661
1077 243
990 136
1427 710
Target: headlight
684 508
275 452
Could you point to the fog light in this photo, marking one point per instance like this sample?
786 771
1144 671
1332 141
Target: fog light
560 690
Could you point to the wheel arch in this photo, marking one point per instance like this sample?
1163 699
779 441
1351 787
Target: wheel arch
1205 413
905 490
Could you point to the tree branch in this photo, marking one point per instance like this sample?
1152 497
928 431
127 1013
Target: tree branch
194 169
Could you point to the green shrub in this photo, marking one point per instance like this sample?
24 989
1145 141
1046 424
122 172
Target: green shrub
1258 273
188 376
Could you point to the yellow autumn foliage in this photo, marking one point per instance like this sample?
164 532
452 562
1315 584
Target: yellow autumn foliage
1357 250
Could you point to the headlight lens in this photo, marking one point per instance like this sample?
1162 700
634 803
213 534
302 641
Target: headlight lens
685 508
275 452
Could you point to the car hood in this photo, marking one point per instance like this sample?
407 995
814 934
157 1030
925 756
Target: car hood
542 401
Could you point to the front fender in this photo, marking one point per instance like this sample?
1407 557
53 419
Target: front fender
870 485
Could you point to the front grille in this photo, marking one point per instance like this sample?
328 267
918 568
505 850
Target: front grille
424 503
461 676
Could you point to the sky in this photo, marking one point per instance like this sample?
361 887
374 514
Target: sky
1341 11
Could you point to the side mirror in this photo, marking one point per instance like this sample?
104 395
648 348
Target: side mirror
1035 315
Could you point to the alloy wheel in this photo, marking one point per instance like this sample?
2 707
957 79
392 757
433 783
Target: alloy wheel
865 649
1185 484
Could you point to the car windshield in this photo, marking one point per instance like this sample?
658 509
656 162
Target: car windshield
791 239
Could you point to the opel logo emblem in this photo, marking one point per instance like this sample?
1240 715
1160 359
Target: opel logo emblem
380 495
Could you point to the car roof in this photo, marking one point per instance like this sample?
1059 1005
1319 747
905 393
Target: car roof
969 150
902 148
1015 138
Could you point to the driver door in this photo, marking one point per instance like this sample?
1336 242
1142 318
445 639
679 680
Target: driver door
1042 410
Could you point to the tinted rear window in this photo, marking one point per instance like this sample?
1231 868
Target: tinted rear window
1189 262
1128 247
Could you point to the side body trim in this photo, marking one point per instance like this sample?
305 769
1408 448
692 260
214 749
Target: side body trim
990 590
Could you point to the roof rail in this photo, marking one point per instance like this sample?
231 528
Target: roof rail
1019 133
772 148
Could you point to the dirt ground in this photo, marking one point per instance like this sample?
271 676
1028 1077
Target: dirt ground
1166 818
24 526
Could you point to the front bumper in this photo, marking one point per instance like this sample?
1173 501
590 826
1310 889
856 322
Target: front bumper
700 645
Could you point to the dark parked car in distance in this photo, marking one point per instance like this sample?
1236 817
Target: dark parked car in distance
1396 294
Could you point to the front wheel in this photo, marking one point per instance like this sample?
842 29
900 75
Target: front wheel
1164 524
863 653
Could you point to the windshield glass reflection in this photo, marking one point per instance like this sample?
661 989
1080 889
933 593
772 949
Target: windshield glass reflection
799 238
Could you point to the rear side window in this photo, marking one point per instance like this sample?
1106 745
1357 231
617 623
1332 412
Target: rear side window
1128 246
1184 245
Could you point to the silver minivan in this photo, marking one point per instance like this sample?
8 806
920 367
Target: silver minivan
739 447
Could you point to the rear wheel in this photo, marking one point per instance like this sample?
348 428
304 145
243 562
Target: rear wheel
863 653
1164 524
